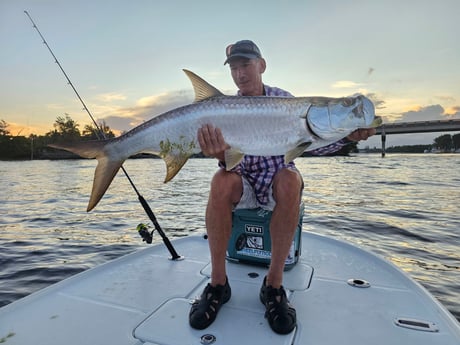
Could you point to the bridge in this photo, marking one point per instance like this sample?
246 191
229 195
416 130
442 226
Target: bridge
419 127
452 125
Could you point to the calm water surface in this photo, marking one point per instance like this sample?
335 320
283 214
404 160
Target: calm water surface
404 207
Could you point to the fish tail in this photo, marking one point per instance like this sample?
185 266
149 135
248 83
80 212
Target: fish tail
103 176
85 149
106 168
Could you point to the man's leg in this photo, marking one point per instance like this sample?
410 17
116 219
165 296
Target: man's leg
226 190
287 186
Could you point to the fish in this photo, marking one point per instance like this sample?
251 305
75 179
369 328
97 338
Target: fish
259 126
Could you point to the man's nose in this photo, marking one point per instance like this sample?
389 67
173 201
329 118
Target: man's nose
239 73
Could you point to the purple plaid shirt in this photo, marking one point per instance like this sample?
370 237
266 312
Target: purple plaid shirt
260 170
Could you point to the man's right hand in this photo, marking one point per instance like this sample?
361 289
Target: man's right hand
212 142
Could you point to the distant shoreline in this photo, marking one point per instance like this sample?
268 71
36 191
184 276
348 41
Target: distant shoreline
71 156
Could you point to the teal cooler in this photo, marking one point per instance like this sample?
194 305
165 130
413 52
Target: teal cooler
250 240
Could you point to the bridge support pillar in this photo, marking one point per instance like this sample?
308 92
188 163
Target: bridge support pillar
384 137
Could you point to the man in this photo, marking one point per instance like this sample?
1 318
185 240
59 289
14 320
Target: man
268 182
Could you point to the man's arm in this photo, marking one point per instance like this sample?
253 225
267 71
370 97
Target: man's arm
359 134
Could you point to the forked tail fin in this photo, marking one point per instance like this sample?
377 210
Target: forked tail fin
106 168
103 176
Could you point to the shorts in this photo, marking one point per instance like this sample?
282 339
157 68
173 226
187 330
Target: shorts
249 200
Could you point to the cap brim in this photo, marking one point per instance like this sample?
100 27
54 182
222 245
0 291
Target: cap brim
240 55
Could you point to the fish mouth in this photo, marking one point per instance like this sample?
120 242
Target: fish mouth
368 111
378 121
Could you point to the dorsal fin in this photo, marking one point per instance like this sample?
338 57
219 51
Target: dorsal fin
203 89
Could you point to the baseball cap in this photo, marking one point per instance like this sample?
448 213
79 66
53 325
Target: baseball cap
245 48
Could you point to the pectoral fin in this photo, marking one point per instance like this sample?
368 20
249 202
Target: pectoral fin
173 165
232 158
296 152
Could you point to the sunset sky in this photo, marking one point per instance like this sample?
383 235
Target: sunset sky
126 57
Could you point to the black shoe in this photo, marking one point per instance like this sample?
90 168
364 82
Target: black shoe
280 314
205 309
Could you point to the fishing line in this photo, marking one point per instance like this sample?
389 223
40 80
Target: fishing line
101 135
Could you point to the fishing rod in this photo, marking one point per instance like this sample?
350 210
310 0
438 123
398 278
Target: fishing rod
101 135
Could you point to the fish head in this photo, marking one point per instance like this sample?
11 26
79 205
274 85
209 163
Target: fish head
330 118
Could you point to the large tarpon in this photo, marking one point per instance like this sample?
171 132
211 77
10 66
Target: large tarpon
262 126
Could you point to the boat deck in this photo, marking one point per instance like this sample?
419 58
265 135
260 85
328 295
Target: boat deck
144 298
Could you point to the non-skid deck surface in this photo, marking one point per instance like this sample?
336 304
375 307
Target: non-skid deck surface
144 298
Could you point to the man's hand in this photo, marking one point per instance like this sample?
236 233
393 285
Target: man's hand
212 142
361 134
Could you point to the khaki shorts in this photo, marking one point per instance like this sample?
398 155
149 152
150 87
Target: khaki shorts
249 200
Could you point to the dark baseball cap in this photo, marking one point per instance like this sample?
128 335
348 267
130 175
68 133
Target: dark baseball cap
245 49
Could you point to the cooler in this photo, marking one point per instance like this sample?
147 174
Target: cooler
250 239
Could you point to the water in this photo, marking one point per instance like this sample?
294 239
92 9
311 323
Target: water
403 207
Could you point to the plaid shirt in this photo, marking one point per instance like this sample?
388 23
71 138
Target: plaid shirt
260 170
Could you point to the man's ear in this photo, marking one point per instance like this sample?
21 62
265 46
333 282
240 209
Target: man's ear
262 65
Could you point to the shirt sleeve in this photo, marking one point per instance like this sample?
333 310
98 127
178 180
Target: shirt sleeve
331 148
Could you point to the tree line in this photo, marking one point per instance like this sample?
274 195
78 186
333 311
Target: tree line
447 142
65 129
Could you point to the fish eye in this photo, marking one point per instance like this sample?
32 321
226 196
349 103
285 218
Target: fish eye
346 102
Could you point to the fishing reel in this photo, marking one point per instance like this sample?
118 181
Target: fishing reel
143 230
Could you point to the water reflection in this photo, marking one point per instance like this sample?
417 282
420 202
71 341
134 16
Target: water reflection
401 207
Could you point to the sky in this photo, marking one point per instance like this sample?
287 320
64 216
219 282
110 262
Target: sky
125 58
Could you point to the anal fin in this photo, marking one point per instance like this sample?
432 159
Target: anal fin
173 165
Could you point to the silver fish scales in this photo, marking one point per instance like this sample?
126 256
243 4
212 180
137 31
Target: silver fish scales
260 126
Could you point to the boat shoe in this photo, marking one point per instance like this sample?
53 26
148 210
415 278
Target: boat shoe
280 314
204 310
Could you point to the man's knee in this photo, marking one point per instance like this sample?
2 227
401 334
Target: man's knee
287 184
227 185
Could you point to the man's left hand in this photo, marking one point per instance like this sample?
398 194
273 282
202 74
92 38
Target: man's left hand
361 134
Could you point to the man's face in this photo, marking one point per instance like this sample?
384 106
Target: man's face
247 75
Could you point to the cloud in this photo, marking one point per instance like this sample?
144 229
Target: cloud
148 107
26 130
110 97
378 103
122 119
453 111
55 106
119 124
443 98
345 84
430 113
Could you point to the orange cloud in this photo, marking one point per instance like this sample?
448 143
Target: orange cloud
413 108
451 111
26 130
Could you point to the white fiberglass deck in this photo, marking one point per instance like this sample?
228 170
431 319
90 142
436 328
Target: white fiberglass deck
144 298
